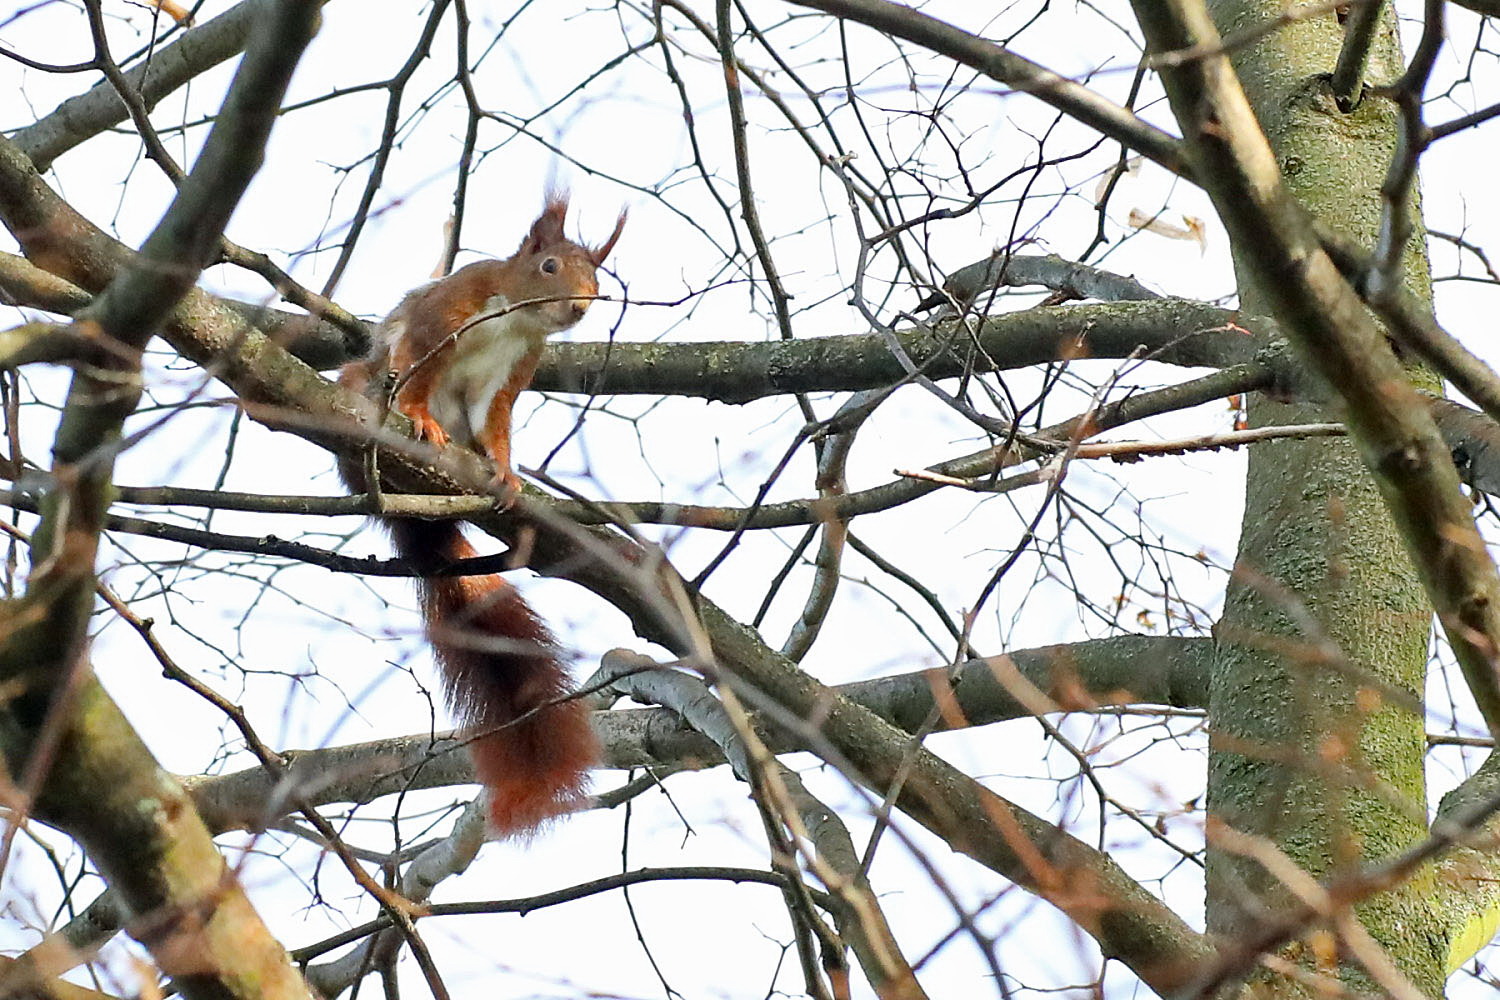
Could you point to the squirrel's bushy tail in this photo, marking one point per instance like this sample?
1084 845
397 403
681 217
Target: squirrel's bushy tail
532 746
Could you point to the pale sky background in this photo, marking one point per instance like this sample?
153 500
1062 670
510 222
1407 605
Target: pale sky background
627 138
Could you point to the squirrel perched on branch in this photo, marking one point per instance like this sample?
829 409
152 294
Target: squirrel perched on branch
462 348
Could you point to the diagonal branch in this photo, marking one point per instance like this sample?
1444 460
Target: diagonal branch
312 340
999 63
1321 315
75 751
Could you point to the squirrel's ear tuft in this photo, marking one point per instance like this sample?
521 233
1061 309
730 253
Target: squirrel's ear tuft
597 254
547 230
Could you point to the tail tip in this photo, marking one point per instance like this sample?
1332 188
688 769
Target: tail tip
520 814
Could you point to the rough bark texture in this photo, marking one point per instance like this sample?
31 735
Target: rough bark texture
61 738
1306 752
141 830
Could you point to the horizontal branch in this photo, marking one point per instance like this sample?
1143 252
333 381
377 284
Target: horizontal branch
1172 331
905 488
1002 268
1085 676
529 904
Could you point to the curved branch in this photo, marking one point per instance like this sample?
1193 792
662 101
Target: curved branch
1015 270
1128 922
1086 676
1000 64
80 118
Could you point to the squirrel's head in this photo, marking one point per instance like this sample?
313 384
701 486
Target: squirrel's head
553 267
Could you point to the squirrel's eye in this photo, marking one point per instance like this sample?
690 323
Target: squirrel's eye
549 266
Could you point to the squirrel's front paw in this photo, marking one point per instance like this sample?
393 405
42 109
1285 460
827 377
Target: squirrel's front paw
427 427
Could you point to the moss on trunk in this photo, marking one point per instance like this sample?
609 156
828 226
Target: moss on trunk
1323 644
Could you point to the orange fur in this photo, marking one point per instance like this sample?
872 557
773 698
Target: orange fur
532 746
464 348
495 436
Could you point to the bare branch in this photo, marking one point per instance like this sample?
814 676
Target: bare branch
201 48
1024 75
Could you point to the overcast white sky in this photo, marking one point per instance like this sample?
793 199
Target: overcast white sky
325 660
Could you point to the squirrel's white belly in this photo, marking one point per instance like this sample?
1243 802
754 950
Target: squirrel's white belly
484 359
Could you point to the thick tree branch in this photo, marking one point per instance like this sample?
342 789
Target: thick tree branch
1474 441
314 341
1468 876
1348 80
1173 331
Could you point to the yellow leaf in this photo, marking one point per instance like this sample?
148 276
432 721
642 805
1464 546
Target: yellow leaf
1192 228
175 11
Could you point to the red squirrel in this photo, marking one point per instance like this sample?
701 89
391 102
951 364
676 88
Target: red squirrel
462 348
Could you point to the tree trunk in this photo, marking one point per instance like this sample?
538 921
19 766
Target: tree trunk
1325 629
